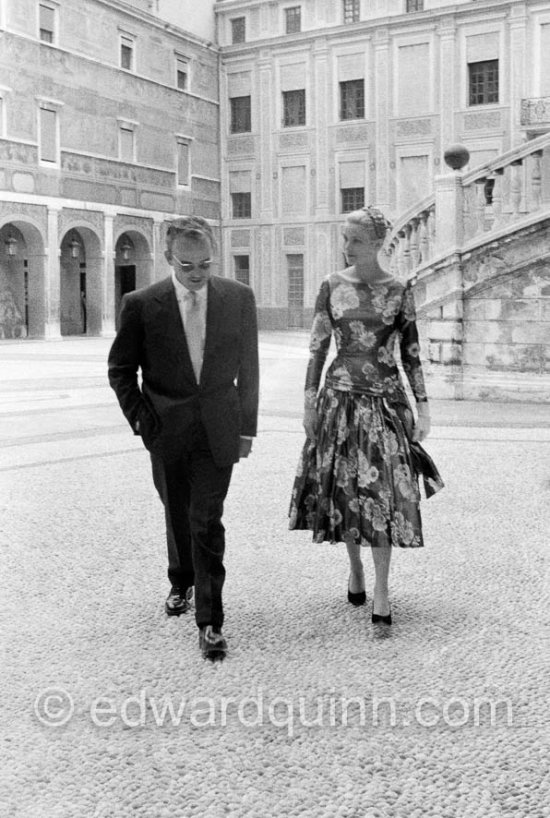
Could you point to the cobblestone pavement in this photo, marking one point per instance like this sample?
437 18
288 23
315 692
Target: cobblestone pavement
109 709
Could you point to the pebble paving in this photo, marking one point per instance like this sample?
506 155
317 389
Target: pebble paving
109 709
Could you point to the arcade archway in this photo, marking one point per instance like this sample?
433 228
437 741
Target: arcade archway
133 265
80 282
22 296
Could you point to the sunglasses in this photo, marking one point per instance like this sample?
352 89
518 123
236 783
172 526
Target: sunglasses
186 266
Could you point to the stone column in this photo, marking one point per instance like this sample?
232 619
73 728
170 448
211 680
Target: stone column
108 279
52 278
383 105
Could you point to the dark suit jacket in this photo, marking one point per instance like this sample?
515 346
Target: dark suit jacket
151 338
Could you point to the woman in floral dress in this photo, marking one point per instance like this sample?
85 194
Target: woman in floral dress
357 479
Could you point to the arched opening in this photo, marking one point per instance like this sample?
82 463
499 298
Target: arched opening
133 265
22 297
73 317
80 282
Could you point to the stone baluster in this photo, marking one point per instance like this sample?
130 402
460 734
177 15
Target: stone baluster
407 250
468 212
392 257
497 199
480 204
488 191
402 259
536 180
432 237
414 248
516 188
423 240
506 187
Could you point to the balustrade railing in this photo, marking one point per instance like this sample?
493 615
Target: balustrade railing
499 195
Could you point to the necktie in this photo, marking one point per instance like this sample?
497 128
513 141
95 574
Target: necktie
193 332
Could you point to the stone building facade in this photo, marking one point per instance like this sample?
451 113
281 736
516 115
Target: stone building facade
109 126
326 104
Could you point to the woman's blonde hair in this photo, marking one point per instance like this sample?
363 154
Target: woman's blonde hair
371 218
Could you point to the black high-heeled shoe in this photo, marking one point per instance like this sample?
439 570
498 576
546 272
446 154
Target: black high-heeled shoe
358 598
376 618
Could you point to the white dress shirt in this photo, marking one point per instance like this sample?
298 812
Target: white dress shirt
184 303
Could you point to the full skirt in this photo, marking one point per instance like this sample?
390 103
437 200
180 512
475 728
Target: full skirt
358 482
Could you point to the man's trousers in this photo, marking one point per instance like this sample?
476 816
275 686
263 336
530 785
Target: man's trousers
193 489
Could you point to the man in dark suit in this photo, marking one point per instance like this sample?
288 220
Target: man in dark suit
194 338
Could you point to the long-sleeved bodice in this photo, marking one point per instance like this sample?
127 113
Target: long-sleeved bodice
366 320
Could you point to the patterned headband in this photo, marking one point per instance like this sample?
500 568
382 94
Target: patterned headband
379 222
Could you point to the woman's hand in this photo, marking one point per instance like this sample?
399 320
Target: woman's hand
310 422
422 426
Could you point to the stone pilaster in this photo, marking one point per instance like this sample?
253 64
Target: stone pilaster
108 280
52 278
159 264
383 101
448 88
518 69
320 74
266 127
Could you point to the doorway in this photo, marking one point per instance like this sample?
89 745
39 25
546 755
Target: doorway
125 282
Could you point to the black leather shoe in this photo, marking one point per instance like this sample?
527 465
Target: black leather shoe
385 620
212 643
358 598
177 601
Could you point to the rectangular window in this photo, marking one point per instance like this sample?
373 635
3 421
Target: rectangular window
127 53
183 162
293 17
242 205
48 135
294 108
352 99
46 23
1 117
415 5
242 269
182 73
351 11
126 145
238 30
483 82
353 198
295 262
240 115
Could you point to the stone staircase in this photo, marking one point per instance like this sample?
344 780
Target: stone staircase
479 251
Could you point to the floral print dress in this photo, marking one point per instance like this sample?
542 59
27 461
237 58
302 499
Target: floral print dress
358 481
